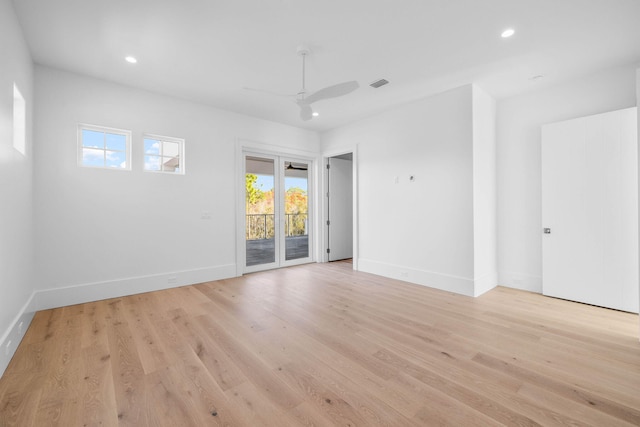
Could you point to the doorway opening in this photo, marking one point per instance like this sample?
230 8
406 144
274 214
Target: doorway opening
340 229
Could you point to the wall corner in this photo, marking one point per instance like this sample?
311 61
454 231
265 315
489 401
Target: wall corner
485 235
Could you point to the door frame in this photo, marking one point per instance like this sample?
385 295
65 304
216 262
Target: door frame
243 147
325 207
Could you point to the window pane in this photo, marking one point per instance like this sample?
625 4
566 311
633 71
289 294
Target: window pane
19 121
92 157
170 149
104 147
151 163
116 142
151 146
92 138
116 159
163 154
170 164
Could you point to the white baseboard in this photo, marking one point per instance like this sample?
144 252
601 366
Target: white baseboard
445 282
12 336
520 281
79 294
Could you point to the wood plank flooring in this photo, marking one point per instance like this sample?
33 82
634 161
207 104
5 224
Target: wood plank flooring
323 345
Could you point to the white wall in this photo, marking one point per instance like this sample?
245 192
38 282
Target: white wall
519 121
16 238
102 233
419 231
484 192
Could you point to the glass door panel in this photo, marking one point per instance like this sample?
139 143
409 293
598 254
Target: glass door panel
260 213
296 210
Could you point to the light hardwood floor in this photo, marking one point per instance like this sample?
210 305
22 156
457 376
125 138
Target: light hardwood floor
323 345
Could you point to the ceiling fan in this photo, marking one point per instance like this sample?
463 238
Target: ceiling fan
304 100
290 166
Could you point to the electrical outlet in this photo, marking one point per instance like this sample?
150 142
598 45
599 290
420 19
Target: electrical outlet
206 215
7 348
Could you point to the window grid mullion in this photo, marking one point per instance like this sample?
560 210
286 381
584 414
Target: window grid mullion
104 149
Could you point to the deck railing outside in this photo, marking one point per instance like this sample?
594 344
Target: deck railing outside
262 226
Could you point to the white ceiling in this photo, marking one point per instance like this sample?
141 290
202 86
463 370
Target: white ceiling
208 50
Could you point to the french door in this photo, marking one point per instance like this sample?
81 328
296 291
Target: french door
277 215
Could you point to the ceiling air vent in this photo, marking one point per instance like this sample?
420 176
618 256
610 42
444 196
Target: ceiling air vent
379 83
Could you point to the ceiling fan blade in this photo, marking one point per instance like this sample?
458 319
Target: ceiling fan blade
306 113
269 92
332 91
294 168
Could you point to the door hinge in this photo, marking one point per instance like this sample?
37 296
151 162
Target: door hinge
328 166
328 222
328 250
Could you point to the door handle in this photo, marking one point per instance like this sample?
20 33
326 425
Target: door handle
546 230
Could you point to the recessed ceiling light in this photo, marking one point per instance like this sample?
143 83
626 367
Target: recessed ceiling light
315 114
508 33
131 59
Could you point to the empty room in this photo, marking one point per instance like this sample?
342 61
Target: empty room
335 213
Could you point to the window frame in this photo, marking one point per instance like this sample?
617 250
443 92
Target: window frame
105 130
163 138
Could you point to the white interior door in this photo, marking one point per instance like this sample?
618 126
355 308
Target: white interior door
590 210
340 215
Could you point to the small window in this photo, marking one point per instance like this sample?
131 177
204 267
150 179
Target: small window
163 154
101 147
19 121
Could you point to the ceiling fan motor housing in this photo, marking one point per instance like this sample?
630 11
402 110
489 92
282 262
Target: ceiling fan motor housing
303 50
